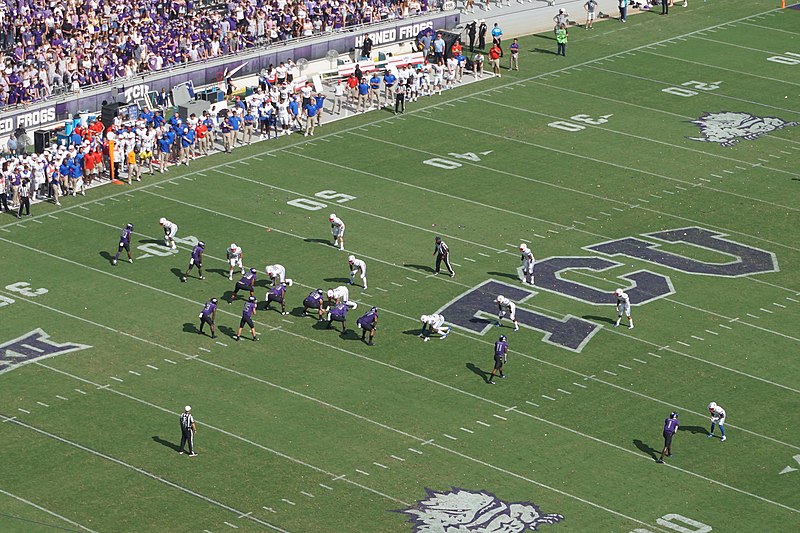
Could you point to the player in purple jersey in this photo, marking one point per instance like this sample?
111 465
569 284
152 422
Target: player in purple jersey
314 300
278 294
368 322
671 425
500 358
338 313
247 283
208 315
248 312
196 261
124 243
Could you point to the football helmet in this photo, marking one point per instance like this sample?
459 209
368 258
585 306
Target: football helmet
213 300
253 270
351 259
332 217
162 221
330 293
288 282
673 415
618 292
523 247
233 247
424 318
252 299
502 338
502 300
201 244
712 406
129 225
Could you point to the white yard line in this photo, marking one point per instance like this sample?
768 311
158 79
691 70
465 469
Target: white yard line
46 510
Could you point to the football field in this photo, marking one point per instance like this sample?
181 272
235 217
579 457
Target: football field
660 157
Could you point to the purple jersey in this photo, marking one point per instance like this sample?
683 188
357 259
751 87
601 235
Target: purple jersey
500 348
339 312
208 309
367 321
248 280
249 309
197 254
670 425
125 236
277 293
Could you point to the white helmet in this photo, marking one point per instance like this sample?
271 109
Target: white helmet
424 318
330 293
233 246
618 292
332 217
501 300
712 406
351 258
523 247
188 409
269 270
162 221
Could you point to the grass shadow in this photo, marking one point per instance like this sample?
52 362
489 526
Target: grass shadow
477 371
300 312
190 327
646 448
412 331
166 443
337 280
504 275
694 429
424 268
320 241
152 241
107 256
229 331
599 319
177 272
543 51
220 271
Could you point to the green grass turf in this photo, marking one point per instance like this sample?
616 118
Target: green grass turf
310 431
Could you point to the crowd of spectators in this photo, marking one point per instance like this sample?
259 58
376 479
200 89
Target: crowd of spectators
53 46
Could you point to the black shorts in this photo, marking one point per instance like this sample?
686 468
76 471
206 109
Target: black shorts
498 362
308 303
273 298
668 439
125 246
205 319
248 321
242 287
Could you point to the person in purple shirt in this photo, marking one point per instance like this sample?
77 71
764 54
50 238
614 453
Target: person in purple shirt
278 294
248 313
195 261
500 358
208 315
368 323
338 313
671 425
124 243
247 283
314 300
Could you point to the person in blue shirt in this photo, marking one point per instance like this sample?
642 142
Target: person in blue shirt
249 126
497 34
311 117
158 119
319 101
671 425
294 111
236 125
389 80
187 145
363 95
375 89
164 148
147 116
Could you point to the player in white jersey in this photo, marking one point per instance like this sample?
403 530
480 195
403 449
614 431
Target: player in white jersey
717 417
436 325
337 230
284 119
341 295
623 306
357 265
276 273
147 153
170 230
235 258
506 309
528 261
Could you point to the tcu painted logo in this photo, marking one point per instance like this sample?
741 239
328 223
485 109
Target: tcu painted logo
475 310
726 127
33 346
463 511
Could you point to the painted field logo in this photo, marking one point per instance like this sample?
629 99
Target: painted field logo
462 511
727 128
31 347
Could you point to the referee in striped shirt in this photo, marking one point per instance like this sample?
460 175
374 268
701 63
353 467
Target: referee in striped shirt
442 253
188 429
24 198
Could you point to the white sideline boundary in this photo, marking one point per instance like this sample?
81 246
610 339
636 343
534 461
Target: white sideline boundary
46 510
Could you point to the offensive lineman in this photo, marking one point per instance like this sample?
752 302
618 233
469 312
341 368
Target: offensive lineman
436 324
338 313
717 417
527 263
124 243
248 312
623 306
278 294
208 315
500 358
195 261
357 265
506 308
337 230
170 230
276 273
341 295
368 323
246 283
314 300
235 258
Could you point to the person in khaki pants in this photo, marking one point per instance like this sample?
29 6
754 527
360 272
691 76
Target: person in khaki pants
133 166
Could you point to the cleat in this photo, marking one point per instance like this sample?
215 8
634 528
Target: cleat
236 338
616 325
516 328
723 438
130 260
230 278
709 435
452 274
202 277
180 452
183 279
192 454
630 327
114 262
443 337
660 461
213 335
255 338
370 343
497 324
490 382
284 313
420 335
426 339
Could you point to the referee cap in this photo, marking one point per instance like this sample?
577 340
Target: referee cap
187 409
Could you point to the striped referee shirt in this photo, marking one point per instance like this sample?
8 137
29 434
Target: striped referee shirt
441 248
186 420
24 191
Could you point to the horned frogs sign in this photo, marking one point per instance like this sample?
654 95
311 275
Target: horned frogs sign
464 511
727 128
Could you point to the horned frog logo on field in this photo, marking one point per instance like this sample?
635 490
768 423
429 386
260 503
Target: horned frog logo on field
463 511
727 127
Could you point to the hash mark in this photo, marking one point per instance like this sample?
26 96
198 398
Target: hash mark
698 338
640 361
449 436
792 300
500 417
61 397
467 430
712 332
604 213
779 305
270 509
591 218
766 310
684 344
483 254
112 199
170 362
623 366
288 501
681 188
454 264
564 391
531 403
617 209
654 355
611 373
43 404
304 493
382 290
204 349
116 379
39 221
325 486
643 200
752 316
724 326
656 196
415 451
666 191
397 458
396 284
380 465
153 367
548 397
411 279
362 472
579 385
287 321
24 411
222 344
134 373
468 259
483 423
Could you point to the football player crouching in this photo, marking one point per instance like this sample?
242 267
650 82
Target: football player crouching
436 325
276 273
506 309
278 294
341 295
315 300
338 313
368 323
235 258
357 266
